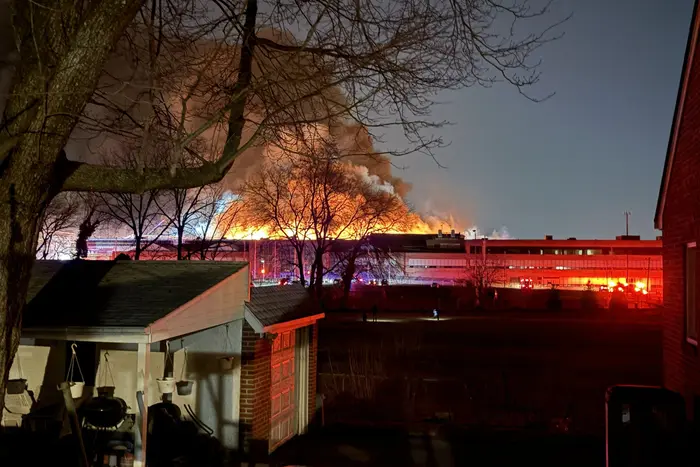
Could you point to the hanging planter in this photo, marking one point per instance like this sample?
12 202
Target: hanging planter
184 386
105 377
166 385
16 386
226 363
76 387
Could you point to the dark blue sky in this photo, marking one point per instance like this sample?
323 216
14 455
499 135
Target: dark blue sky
572 165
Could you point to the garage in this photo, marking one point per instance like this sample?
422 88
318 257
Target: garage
282 394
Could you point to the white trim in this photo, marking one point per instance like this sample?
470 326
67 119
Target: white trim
197 317
677 122
691 245
253 321
142 378
302 380
294 324
111 335
691 341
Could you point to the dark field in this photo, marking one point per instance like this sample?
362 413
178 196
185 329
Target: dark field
486 388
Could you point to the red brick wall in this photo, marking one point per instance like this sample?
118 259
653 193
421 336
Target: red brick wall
313 358
681 223
255 388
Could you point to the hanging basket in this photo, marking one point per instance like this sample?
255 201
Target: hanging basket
76 389
184 388
105 391
226 363
166 385
16 386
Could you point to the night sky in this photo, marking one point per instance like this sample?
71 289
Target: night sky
572 165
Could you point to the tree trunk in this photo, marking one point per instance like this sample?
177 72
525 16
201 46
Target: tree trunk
318 264
137 248
22 202
300 266
348 274
180 233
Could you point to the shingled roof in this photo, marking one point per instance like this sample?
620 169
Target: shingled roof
116 293
279 304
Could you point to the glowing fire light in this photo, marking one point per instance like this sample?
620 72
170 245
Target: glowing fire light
312 138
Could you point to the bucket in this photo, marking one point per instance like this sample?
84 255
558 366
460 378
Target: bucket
16 386
105 391
166 385
76 389
184 388
226 363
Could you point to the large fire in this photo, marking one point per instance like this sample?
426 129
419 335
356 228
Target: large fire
297 173
415 225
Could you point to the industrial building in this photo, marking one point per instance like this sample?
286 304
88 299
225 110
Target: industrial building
448 259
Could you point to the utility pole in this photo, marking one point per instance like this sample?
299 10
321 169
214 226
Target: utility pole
627 232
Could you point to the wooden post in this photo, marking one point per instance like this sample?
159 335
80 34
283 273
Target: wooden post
142 377
74 422
168 367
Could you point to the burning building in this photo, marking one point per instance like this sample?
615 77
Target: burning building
445 258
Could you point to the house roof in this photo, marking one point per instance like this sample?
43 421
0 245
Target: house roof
677 115
280 304
116 293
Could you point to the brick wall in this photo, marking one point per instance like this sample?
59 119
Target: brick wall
255 390
681 223
313 359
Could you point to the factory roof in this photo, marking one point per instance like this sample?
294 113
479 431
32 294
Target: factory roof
116 293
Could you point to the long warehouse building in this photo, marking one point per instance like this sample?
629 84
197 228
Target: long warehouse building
445 259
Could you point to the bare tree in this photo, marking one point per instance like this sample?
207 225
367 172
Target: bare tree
483 272
378 212
140 215
219 212
181 208
277 201
315 199
379 67
91 216
59 219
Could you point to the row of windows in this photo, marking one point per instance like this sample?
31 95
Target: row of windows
437 262
436 267
498 250
573 263
579 263
595 281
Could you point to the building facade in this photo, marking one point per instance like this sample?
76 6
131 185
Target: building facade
450 259
678 216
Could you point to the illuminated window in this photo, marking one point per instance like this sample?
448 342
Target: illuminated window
691 330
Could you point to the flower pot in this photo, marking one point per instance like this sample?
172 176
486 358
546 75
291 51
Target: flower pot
76 389
226 363
184 388
166 385
105 391
16 386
